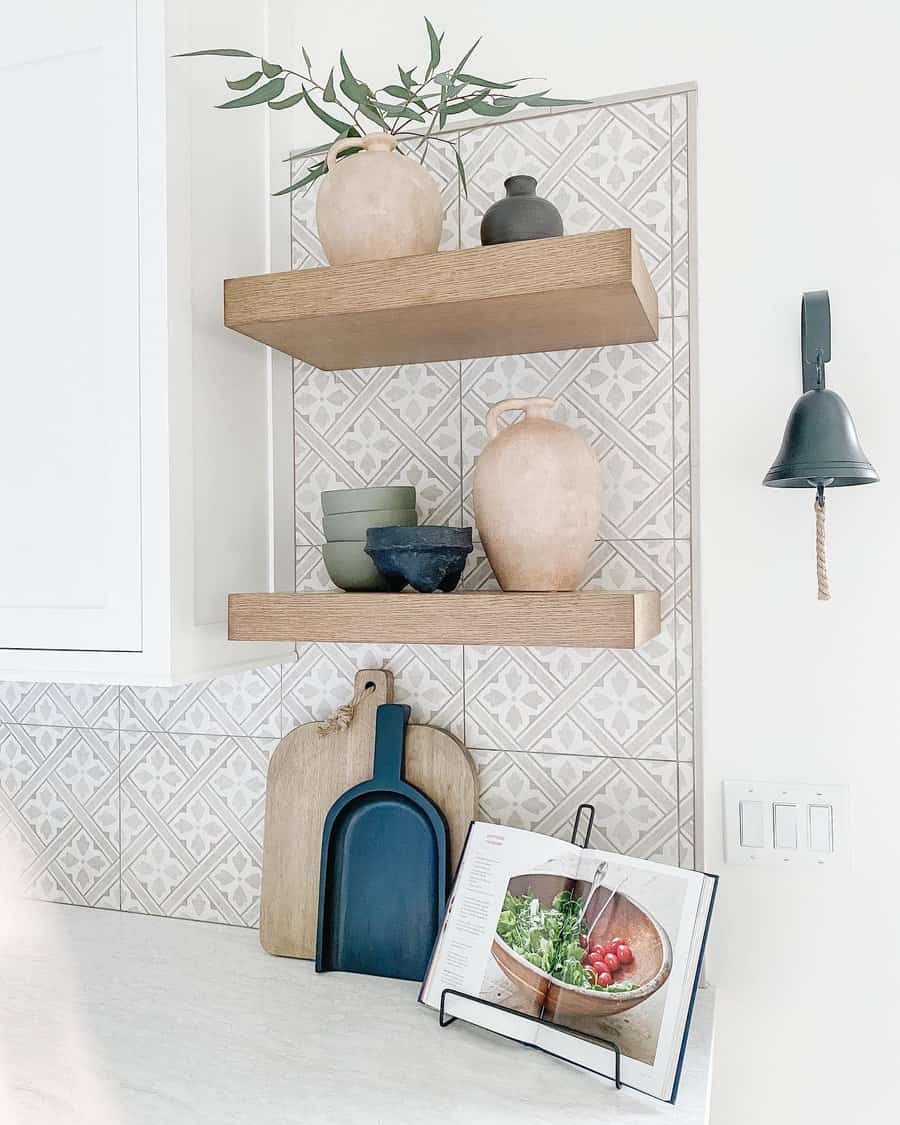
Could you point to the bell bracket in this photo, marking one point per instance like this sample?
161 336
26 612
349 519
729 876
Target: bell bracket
815 338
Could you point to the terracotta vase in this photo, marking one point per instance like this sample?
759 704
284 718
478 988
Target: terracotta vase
376 203
537 499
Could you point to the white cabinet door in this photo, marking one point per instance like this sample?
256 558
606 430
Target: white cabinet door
70 574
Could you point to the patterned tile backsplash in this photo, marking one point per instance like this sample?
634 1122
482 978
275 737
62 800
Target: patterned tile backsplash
151 799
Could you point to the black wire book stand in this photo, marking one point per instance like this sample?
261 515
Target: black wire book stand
445 1019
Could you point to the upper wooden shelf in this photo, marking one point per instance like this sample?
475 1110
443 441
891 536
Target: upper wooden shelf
549 294
584 619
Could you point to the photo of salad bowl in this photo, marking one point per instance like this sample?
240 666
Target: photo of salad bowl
565 962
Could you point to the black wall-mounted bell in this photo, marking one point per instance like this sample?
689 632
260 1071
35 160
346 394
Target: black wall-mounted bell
820 448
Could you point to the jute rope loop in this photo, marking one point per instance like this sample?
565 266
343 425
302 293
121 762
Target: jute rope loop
343 717
821 572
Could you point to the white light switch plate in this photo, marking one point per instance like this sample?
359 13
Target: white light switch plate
802 825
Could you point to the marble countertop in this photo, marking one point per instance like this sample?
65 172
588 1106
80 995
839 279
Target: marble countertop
109 1018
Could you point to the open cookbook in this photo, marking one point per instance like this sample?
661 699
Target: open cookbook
598 943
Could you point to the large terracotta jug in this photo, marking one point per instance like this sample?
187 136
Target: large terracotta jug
537 499
376 203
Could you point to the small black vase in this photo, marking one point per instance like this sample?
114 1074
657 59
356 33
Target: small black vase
521 215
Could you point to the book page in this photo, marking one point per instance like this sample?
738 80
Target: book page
495 943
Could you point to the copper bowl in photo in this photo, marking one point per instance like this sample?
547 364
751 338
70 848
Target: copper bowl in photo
622 918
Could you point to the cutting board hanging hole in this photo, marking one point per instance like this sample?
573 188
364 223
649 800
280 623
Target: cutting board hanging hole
343 717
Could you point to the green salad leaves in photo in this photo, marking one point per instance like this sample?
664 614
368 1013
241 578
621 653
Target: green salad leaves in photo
548 938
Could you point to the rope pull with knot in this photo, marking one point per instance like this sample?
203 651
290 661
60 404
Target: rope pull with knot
821 571
343 717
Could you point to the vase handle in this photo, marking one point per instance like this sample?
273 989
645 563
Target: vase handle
371 140
531 407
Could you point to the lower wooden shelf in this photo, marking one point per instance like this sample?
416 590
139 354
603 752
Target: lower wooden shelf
582 619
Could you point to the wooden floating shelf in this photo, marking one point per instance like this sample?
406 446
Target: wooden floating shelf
548 294
584 619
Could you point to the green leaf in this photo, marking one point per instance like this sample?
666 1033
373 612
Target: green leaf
460 167
244 83
357 91
331 122
228 52
263 93
399 111
368 110
406 76
270 69
286 103
313 173
539 99
474 80
307 60
434 44
467 103
442 108
507 102
462 62
346 71
400 92
486 109
328 95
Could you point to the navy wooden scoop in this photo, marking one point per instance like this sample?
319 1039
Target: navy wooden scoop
383 878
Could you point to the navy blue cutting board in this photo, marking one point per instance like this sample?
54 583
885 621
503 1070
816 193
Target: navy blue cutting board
383 880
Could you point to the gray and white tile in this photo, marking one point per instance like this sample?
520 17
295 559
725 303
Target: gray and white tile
60 705
386 425
686 813
59 812
241 703
192 818
682 428
310 575
602 168
635 802
610 702
680 208
427 677
684 649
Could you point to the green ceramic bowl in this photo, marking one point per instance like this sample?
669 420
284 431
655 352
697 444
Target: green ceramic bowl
350 568
354 525
393 497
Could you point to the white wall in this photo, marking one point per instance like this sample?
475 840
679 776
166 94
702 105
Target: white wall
799 179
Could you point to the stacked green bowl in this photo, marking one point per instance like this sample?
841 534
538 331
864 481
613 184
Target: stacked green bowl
348 514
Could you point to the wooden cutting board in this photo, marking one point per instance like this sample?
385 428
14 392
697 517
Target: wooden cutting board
307 774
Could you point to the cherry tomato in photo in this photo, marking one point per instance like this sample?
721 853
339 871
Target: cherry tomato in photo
585 959
597 961
624 954
613 942
604 979
611 961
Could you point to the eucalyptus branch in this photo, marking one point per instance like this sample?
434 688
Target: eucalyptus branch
309 80
430 101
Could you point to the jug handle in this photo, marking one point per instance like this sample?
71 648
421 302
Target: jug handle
531 407
379 140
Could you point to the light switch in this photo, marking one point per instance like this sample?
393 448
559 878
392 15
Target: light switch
785 826
753 825
821 833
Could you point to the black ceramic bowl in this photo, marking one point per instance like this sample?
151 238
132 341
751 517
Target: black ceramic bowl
428 558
